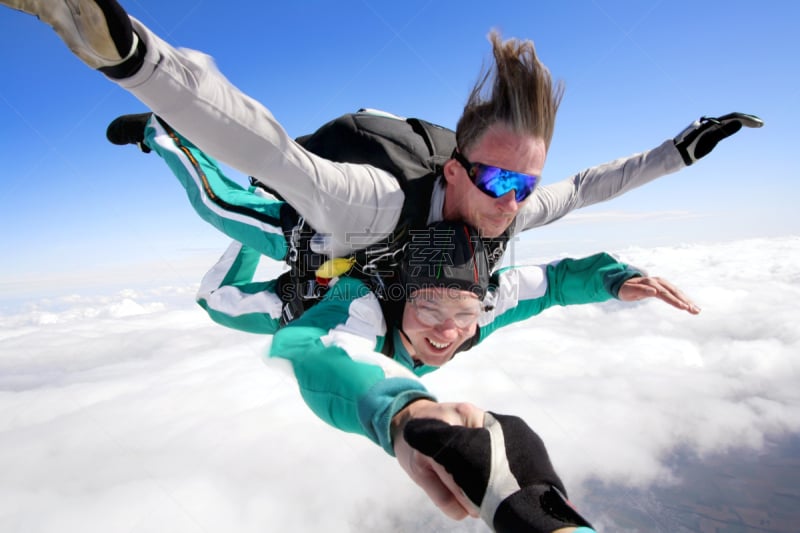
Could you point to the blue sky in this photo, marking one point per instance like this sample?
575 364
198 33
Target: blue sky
636 73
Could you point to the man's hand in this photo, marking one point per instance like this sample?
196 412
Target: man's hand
651 287
702 135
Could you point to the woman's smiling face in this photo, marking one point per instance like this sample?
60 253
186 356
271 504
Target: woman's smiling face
437 321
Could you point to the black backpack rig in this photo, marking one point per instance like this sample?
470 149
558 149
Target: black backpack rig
414 152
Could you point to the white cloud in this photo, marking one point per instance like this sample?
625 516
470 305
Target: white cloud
131 411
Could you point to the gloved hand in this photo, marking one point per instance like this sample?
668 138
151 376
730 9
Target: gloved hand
99 32
503 468
702 135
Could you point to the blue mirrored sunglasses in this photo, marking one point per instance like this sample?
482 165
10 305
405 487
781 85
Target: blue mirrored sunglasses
496 181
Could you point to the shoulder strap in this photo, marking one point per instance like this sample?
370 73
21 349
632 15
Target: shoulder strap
412 150
440 141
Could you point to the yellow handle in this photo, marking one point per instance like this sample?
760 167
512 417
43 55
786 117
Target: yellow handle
335 267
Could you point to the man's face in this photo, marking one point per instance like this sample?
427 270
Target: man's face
499 147
437 321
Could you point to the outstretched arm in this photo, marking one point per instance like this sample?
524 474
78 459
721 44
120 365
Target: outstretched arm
525 291
609 180
185 88
597 184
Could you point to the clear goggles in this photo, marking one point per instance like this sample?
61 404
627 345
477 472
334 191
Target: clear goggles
431 312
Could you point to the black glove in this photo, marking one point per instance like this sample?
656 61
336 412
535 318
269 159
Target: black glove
503 468
702 135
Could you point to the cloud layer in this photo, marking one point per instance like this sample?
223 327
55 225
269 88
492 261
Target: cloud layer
131 411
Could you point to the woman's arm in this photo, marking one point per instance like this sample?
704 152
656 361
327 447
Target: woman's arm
334 349
522 292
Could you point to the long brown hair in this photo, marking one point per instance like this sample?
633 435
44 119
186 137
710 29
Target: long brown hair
523 95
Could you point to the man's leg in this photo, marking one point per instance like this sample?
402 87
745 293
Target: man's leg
241 214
